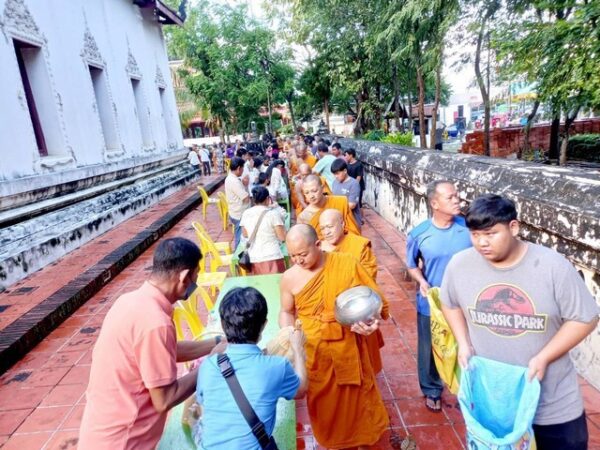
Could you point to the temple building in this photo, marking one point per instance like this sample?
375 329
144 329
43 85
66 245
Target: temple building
90 132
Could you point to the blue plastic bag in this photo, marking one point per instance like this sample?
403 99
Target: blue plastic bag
498 404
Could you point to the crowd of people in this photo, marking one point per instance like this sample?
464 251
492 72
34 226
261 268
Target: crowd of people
486 274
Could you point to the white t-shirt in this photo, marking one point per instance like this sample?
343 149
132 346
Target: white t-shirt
277 188
204 156
266 246
235 193
252 178
193 158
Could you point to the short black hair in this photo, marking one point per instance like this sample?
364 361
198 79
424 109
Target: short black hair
259 194
488 210
322 147
243 313
236 163
337 145
338 165
351 152
241 152
262 178
174 255
257 161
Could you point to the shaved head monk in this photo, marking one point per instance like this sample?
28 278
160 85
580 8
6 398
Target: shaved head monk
344 403
312 189
331 225
302 156
297 195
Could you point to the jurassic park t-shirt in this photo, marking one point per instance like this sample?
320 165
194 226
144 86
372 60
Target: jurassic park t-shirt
513 312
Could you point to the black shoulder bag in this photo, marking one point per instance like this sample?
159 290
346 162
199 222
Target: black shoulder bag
244 256
258 428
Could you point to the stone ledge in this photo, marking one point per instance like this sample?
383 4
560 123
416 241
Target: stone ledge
32 244
26 332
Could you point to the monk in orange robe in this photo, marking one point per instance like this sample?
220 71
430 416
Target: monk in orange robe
344 403
298 200
331 225
312 189
302 156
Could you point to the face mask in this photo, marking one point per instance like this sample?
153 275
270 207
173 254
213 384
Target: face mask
190 290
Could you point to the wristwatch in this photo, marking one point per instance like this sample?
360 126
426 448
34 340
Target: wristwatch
218 339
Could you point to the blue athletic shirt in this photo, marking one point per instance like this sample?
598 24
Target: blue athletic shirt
435 246
264 379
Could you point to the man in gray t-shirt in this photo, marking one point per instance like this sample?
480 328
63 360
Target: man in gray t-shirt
522 304
347 186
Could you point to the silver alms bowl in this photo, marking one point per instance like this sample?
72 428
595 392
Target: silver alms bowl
357 304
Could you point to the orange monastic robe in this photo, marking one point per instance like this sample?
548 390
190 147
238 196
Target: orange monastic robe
360 248
295 164
344 402
340 203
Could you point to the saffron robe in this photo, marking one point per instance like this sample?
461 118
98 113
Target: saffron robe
344 402
338 202
360 248
296 203
295 164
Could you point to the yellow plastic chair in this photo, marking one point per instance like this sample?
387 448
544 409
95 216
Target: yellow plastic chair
225 211
206 200
213 280
186 311
216 259
222 246
227 164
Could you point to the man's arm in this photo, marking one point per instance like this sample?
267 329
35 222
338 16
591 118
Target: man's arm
287 313
458 325
190 350
354 195
298 339
568 336
300 194
166 397
417 275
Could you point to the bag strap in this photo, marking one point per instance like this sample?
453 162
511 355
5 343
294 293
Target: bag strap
253 236
257 427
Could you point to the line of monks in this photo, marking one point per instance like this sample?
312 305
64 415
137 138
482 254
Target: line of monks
329 256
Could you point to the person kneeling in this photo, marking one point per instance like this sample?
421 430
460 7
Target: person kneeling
263 379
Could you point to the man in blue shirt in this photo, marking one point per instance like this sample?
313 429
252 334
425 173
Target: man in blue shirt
264 379
323 166
429 248
347 186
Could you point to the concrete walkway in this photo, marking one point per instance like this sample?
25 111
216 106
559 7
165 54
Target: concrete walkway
42 396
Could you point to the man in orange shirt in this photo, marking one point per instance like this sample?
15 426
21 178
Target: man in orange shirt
133 380
312 189
344 403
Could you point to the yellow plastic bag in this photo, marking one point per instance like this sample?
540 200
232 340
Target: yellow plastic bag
443 343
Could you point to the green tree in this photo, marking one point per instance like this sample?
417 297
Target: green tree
556 45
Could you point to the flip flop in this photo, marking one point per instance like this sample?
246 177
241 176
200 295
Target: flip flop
437 404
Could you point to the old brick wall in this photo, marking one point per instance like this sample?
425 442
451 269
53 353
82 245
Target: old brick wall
507 141
558 207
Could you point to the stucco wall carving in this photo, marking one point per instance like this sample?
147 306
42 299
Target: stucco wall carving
160 79
18 20
132 67
90 52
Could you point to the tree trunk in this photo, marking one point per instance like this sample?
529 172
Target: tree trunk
565 137
527 129
484 92
438 88
326 111
421 107
553 150
410 117
396 97
270 113
289 100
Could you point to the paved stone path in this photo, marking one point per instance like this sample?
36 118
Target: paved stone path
42 396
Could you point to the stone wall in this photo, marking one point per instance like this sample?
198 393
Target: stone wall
558 207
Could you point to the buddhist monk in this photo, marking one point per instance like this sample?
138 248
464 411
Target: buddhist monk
302 156
312 189
331 225
297 196
344 403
